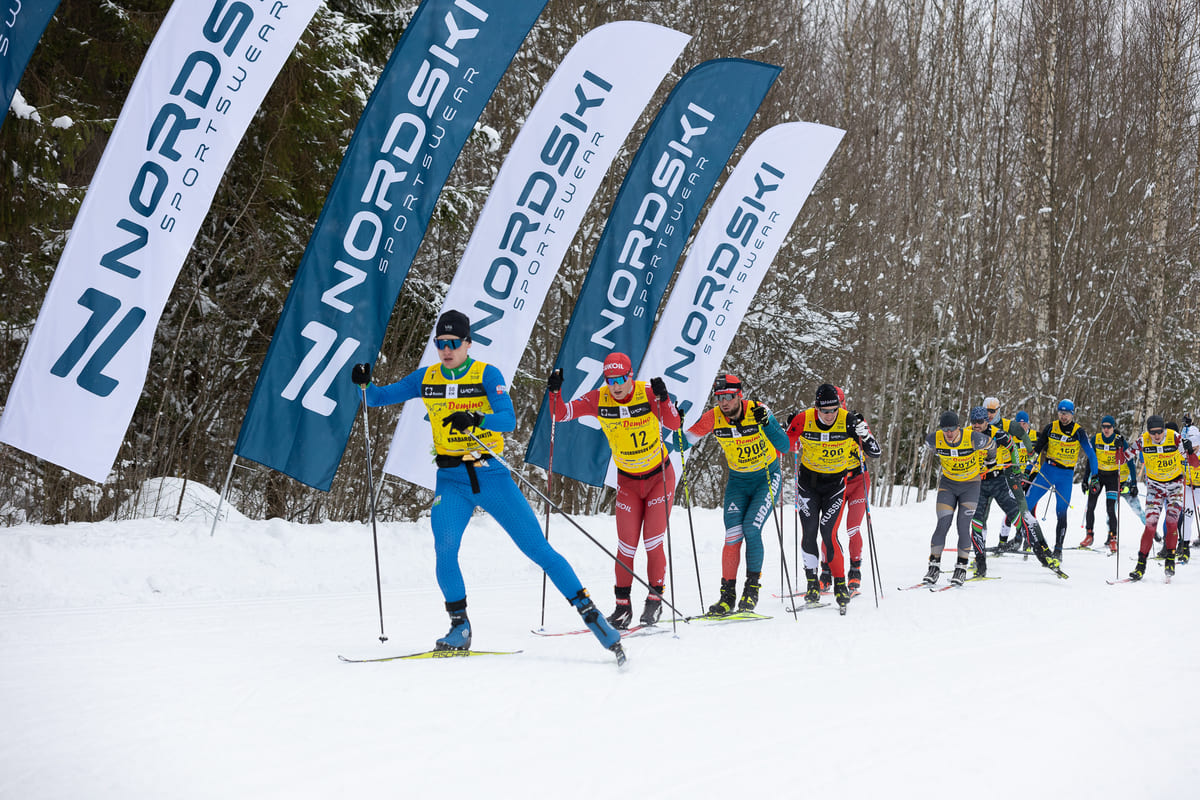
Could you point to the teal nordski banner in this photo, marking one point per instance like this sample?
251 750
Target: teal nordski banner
429 96
669 179
21 26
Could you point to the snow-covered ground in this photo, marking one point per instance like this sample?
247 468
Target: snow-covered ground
146 659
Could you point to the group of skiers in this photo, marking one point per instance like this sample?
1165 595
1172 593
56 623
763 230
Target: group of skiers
994 458
1006 461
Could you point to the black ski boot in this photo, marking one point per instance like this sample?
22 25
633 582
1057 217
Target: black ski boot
960 572
935 571
813 593
1140 569
750 592
980 565
1183 553
841 593
1169 563
459 636
726 601
653 608
854 576
623 615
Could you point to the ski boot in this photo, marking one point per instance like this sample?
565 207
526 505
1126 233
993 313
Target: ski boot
935 571
960 573
750 592
653 608
980 565
599 626
623 614
1004 545
1112 542
726 601
1169 563
1087 540
459 636
854 576
841 593
826 578
1183 553
813 593
1140 569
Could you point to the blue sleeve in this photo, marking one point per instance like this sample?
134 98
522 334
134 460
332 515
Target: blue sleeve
406 388
776 434
1087 448
503 417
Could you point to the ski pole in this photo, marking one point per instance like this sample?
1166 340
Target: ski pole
500 460
795 517
782 552
371 504
687 496
1117 576
876 578
549 488
667 519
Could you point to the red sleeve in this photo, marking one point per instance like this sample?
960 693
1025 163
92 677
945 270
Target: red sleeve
586 406
704 425
796 428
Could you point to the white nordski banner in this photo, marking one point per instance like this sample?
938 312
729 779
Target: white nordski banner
202 80
730 256
537 203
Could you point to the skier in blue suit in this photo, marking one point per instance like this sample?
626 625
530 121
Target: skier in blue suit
467 403
1056 453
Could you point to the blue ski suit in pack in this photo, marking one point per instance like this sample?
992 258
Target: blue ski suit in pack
1059 450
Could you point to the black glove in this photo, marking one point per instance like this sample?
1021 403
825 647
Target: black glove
1093 485
1187 420
360 374
860 426
1002 438
554 382
659 387
1132 487
461 420
761 415
1187 446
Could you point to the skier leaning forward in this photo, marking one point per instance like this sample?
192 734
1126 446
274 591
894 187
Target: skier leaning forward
1058 449
629 412
1165 453
961 454
994 484
826 436
751 437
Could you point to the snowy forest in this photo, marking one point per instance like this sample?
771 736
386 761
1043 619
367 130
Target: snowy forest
1013 212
